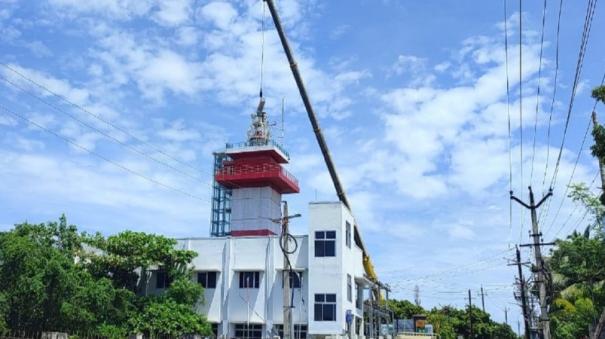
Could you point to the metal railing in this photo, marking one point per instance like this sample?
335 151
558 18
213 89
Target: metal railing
256 143
261 170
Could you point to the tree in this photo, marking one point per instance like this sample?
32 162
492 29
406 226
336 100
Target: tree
450 322
54 278
404 309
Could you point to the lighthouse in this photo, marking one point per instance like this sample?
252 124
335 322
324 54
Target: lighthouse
252 177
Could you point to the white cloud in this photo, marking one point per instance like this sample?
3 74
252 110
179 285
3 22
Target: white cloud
173 12
220 13
114 9
461 232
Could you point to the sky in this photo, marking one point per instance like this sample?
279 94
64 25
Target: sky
110 111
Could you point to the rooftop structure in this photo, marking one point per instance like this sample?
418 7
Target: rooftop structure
249 176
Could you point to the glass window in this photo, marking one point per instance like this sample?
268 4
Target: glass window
325 244
207 279
295 279
300 331
249 331
249 279
349 288
161 279
325 307
348 235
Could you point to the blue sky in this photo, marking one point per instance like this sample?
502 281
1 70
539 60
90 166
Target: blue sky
411 96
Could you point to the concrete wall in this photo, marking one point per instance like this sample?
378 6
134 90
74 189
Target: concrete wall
253 209
227 304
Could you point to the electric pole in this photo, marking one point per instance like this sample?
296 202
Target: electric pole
482 299
470 314
595 123
544 322
506 315
523 296
284 244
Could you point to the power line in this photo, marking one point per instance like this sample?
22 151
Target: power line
576 208
100 156
573 172
586 132
104 133
96 116
533 153
510 142
583 44
554 95
521 87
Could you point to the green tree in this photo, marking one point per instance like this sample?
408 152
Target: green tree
404 309
450 322
53 278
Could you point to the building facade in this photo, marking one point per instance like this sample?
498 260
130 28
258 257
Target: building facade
241 266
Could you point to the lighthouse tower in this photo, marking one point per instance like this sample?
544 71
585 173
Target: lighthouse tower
253 172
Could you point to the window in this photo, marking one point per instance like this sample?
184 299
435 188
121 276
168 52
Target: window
249 331
295 279
359 299
325 243
214 329
300 331
325 307
161 279
348 235
249 279
349 288
207 279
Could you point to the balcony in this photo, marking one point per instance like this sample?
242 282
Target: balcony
245 174
253 149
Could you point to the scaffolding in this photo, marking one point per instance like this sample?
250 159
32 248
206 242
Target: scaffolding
220 224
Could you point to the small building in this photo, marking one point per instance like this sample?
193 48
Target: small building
241 264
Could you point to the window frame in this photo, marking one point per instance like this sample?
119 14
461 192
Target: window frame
162 280
206 279
245 330
349 288
245 282
348 234
325 244
300 330
298 274
324 304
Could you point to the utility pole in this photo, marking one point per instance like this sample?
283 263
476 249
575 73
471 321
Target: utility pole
526 319
595 123
544 322
284 244
600 326
506 315
470 314
417 295
482 299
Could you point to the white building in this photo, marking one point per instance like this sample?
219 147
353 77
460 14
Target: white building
242 276
242 268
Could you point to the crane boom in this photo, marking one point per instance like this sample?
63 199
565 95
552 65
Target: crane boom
323 146
310 112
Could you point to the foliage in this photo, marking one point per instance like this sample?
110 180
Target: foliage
170 318
404 309
450 322
577 263
581 193
598 93
53 278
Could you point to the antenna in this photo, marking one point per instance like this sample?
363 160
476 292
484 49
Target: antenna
283 128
